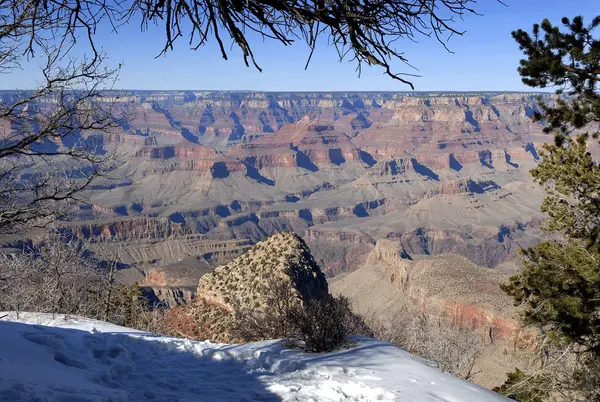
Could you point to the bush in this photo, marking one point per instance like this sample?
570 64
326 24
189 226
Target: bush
451 347
52 276
563 374
318 326
324 325
57 275
525 388
586 378
274 322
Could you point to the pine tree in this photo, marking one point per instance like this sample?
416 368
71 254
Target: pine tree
568 61
559 286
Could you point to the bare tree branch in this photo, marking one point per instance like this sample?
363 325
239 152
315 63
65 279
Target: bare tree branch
47 159
364 30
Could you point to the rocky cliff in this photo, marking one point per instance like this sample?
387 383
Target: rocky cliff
446 287
243 285
443 173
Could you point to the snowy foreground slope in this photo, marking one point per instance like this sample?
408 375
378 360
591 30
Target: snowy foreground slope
73 359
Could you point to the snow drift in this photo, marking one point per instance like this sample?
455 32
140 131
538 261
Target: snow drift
77 359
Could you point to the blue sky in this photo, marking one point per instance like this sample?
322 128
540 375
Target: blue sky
485 58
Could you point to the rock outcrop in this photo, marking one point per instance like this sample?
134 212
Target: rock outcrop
446 287
445 173
243 285
169 297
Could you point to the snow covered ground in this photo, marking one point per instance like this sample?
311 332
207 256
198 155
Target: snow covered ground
78 359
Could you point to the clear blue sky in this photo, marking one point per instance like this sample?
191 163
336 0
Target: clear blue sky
485 58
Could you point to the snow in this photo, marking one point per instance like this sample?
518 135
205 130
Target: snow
77 359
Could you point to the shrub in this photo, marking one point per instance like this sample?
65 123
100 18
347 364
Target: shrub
562 374
318 326
586 378
272 323
451 347
324 325
52 276
56 275
525 388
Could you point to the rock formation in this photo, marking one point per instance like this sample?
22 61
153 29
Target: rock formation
440 173
168 296
243 285
448 287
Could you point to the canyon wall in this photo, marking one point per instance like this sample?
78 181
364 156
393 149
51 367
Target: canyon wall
438 173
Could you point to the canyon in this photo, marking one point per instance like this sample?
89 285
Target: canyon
204 175
392 290
412 202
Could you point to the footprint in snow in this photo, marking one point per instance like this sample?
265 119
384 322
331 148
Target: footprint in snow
104 355
44 339
68 361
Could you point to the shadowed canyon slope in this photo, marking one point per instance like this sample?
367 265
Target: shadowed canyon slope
207 174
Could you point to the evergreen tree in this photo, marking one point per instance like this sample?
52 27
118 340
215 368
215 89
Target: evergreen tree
568 61
559 286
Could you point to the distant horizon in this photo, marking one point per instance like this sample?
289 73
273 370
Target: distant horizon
311 91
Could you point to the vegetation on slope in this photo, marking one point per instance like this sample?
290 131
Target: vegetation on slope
559 287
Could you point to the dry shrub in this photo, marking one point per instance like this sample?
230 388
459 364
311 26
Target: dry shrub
586 379
451 347
324 325
57 275
52 276
272 322
561 373
320 325
397 329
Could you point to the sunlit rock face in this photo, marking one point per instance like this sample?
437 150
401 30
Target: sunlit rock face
440 172
244 284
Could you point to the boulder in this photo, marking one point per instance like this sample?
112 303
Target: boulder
243 285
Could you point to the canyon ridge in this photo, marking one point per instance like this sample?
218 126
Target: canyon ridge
205 175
